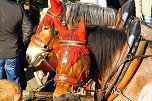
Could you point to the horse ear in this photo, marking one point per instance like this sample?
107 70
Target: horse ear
56 7
82 31
59 26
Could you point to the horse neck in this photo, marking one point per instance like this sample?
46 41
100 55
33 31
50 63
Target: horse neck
110 68
105 45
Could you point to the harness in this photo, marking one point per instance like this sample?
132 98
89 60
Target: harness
126 11
126 66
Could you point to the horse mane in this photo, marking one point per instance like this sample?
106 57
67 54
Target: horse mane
103 43
92 13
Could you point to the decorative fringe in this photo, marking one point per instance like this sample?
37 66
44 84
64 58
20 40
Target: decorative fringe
74 52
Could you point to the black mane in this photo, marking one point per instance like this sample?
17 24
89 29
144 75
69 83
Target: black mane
92 13
103 43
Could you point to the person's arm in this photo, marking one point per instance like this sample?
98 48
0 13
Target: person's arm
27 29
138 9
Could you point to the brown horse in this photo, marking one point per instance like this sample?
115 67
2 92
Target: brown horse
71 14
108 42
47 40
117 65
73 60
46 27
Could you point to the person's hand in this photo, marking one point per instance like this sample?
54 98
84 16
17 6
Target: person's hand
140 16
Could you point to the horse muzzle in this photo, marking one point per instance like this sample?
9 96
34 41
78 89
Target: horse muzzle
67 97
37 61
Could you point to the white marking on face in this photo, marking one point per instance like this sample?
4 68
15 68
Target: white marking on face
33 52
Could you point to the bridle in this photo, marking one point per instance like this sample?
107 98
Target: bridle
42 56
63 77
36 40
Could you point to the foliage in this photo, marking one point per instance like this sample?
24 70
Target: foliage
35 6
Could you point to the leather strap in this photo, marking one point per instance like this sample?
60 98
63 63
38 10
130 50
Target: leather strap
73 43
66 79
37 41
52 15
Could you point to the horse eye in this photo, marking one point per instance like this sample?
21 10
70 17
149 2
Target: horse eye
46 28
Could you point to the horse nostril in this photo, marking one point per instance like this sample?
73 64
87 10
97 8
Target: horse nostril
28 57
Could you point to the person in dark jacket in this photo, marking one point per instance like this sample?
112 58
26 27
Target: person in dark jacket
122 2
15 27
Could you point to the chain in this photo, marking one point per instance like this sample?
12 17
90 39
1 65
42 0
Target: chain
120 93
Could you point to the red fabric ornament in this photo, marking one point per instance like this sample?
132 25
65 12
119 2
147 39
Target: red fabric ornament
80 32
47 20
79 35
74 52
56 7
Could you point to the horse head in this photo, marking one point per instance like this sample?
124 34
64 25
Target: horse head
73 61
41 46
45 39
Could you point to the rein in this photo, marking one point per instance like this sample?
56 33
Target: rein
124 61
130 57
117 87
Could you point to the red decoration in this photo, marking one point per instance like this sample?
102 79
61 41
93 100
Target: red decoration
47 20
56 9
79 35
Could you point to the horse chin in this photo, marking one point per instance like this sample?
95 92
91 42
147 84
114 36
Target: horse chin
36 63
67 97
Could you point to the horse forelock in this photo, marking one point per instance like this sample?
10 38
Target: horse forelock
91 13
103 44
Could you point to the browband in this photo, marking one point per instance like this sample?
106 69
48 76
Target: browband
73 43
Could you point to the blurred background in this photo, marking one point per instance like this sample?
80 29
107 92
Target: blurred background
33 7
